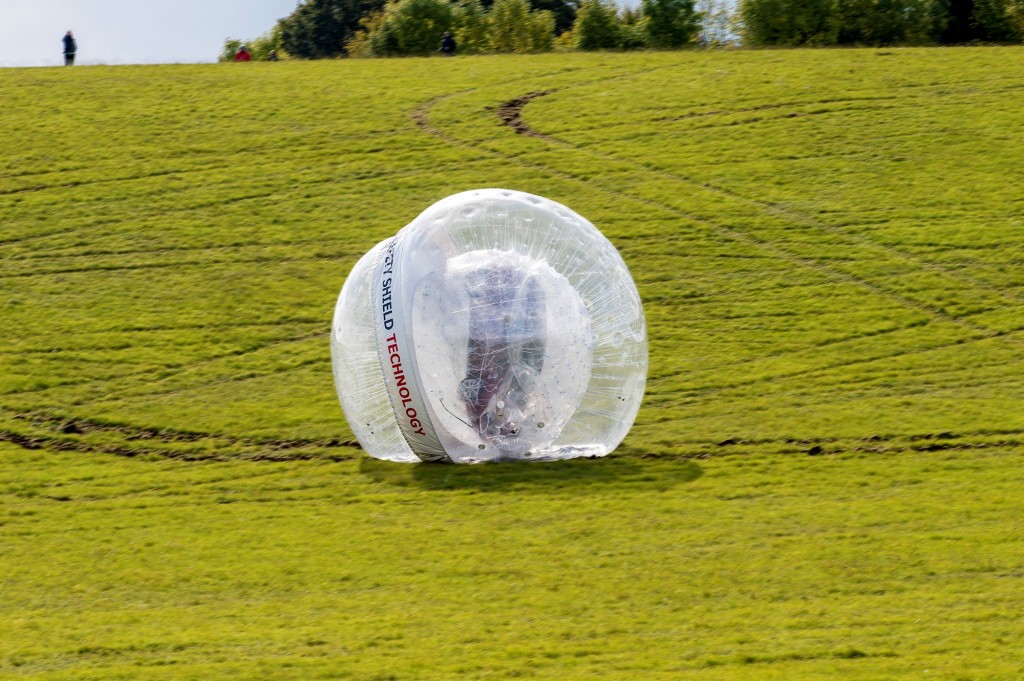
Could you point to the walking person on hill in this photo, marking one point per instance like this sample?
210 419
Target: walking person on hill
70 47
447 44
242 54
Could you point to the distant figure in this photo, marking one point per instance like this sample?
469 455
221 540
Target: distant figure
272 55
242 54
447 44
70 47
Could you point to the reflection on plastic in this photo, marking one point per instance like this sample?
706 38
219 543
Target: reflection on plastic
496 326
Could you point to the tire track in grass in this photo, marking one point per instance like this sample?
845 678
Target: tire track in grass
71 184
778 252
421 115
215 164
808 102
356 176
1014 335
769 107
512 111
245 376
625 126
155 372
104 269
71 433
160 374
309 243
699 393
177 327
514 114
10 240
887 443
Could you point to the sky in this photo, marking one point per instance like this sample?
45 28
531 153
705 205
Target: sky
130 31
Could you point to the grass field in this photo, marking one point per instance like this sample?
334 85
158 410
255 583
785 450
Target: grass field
825 479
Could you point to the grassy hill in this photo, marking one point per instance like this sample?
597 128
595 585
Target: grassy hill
824 481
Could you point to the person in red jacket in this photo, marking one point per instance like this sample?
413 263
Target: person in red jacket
242 54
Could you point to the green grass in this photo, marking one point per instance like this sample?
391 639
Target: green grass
828 245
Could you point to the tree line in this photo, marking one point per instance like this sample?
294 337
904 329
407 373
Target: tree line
319 29
881 22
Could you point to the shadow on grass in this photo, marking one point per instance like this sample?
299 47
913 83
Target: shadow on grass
623 469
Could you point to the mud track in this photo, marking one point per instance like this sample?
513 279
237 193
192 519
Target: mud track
52 432
511 114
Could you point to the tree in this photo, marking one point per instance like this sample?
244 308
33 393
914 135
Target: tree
231 46
994 21
512 27
1015 12
882 22
417 25
957 24
716 19
360 45
632 29
597 26
787 22
470 27
670 23
967 21
563 11
542 30
321 28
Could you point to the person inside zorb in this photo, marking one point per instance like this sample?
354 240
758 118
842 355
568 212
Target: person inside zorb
505 353
505 316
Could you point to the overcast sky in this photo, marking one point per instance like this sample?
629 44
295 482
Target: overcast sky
130 31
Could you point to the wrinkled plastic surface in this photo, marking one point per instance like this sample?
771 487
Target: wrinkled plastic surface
518 327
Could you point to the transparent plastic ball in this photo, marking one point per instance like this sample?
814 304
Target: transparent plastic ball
495 326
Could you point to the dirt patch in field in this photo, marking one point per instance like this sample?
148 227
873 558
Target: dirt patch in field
511 113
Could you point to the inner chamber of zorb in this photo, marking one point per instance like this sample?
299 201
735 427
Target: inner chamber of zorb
504 346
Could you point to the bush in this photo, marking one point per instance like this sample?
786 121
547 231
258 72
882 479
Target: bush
512 27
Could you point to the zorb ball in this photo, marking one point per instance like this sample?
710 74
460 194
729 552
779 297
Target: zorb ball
495 326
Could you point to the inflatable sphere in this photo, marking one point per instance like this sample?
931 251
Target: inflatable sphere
495 326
